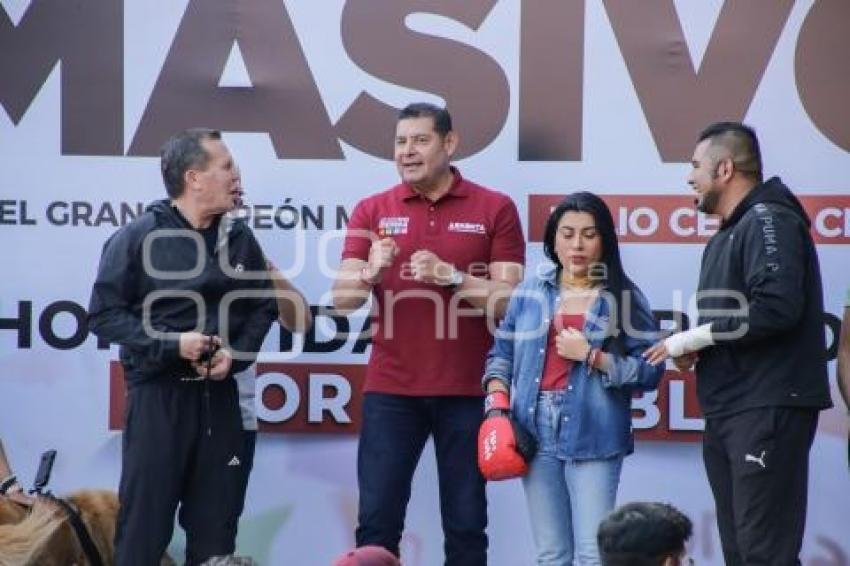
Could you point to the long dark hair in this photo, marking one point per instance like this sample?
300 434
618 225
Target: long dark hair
615 280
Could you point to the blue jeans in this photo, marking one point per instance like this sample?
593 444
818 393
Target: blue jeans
566 499
395 429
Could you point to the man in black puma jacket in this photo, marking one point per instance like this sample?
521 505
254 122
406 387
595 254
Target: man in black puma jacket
163 292
759 349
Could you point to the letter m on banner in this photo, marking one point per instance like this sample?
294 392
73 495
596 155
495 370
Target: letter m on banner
87 38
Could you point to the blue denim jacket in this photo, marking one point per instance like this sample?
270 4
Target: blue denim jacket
596 412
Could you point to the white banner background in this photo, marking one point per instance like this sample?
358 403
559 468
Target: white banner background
302 502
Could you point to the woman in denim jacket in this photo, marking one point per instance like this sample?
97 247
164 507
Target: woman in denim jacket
568 353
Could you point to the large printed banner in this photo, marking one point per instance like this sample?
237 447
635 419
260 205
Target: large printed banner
548 97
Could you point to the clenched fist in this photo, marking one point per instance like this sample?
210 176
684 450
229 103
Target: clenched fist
381 255
571 344
427 267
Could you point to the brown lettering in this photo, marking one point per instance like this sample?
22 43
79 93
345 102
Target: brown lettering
283 101
88 38
550 80
677 100
823 79
473 85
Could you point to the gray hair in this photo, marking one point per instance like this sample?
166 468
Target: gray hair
184 151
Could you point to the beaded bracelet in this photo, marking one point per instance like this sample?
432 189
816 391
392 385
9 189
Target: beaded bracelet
597 357
591 360
588 356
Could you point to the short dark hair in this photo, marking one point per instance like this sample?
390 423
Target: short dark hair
642 533
739 142
441 117
184 151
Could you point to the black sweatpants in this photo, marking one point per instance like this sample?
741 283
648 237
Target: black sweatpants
249 444
757 463
183 444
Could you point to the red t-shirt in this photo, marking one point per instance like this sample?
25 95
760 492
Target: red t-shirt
556 370
419 347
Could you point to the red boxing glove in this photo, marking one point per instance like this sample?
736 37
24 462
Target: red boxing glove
499 457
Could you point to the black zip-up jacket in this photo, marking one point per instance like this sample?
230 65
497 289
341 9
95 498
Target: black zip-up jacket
123 284
774 353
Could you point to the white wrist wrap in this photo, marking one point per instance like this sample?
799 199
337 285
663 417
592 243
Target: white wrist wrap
689 341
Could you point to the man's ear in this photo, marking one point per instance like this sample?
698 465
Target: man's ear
450 142
726 168
190 179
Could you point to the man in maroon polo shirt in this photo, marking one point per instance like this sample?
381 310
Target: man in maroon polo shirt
440 255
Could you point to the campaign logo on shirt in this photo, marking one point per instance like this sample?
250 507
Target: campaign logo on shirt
467 227
393 225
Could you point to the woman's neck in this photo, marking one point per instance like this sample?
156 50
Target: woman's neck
576 282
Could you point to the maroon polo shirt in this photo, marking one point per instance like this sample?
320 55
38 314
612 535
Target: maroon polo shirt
419 345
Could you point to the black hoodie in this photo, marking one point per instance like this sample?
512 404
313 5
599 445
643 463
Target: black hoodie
772 352
123 285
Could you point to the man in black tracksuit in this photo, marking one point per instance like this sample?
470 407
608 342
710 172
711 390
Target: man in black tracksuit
759 349
163 292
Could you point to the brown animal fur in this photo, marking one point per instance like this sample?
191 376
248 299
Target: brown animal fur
11 512
22 535
46 538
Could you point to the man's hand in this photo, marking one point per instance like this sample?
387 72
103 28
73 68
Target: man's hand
571 344
427 267
218 368
686 361
382 253
194 344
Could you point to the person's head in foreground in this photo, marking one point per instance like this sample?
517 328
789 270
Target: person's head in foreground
367 556
644 534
